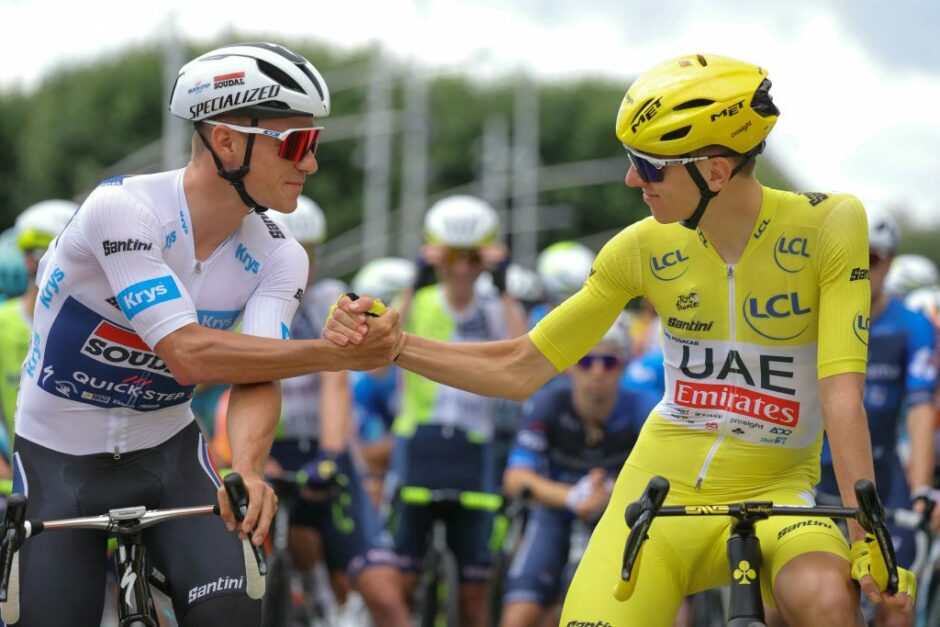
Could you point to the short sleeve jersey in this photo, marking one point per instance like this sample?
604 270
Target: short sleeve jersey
122 276
744 344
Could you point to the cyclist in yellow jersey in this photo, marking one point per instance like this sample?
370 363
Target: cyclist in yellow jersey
770 352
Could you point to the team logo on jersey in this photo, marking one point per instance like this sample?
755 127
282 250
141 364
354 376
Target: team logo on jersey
273 229
115 346
859 274
791 254
690 325
145 294
761 228
739 400
815 197
169 240
670 266
120 246
249 263
860 325
51 287
217 319
769 318
687 301
299 294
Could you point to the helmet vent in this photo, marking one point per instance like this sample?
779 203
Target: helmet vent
762 102
679 133
278 75
693 104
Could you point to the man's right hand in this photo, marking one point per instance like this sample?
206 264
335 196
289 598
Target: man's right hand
369 342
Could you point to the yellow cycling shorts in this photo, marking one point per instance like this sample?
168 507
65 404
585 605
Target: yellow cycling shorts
683 555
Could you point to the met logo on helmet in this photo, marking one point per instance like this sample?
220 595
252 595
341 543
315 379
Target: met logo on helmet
666 267
734 109
233 101
145 294
790 254
647 112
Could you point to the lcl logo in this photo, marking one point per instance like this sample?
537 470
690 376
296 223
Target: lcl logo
669 267
791 254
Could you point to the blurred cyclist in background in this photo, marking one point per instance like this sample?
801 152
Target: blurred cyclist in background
900 382
12 268
375 397
563 267
35 228
574 440
314 436
909 272
443 435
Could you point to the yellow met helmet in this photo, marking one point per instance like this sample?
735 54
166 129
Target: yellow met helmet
691 102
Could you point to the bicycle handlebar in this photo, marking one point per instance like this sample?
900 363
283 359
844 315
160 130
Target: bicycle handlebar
639 517
117 522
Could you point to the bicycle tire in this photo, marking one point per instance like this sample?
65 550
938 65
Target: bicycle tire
276 604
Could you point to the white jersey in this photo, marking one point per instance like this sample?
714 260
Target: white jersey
121 277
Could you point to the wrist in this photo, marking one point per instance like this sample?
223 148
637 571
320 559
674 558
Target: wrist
401 346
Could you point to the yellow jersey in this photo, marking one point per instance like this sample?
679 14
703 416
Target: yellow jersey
744 343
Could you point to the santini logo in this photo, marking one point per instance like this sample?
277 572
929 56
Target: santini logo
124 245
222 583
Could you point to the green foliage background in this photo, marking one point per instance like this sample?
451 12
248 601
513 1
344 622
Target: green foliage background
61 136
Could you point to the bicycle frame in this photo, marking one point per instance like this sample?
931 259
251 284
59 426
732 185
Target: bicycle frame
744 556
135 605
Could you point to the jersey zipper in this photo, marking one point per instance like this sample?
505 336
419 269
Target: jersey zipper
722 427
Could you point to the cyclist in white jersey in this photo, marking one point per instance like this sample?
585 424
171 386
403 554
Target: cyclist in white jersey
134 297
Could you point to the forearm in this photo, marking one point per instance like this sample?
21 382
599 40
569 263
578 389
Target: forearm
512 369
253 413
544 491
211 356
335 411
920 429
847 427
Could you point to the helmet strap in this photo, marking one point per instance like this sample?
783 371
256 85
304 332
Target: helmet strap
235 177
707 194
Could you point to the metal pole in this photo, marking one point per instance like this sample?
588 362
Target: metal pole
525 178
495 171
378 147
175 149
414 185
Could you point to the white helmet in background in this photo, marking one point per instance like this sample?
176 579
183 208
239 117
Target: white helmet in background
618 335
461 222
384 278
521 283
306 223
563 268
927 301
39 224
882 232
908 273
262 80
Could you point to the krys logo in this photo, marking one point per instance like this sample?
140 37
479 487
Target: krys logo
860 324
791 254
141 296
777 317
670 266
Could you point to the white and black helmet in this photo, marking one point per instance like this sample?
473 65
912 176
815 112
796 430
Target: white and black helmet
261 80
461 222
564 267
306 223
882 232
910 272
385 278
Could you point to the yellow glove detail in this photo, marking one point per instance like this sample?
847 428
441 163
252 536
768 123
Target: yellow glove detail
867 560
